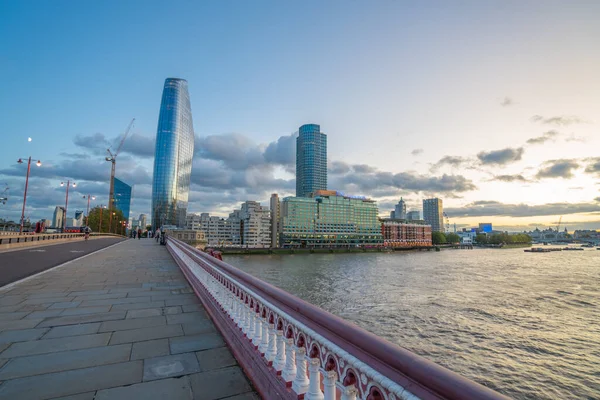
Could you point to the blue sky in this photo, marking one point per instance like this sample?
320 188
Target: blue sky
455 79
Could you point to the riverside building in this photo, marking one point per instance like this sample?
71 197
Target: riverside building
329 219
217 230
399 233
433 214
173 156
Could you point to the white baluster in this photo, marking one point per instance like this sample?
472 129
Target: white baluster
314 389
257 330
330 377
264 343
235 314
271 352
289 372
244 311
349 392
279 362
251 324
301 382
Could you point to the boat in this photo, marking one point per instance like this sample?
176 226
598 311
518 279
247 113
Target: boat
573 248
537 250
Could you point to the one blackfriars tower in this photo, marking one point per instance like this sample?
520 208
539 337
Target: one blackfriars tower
173 156
311 160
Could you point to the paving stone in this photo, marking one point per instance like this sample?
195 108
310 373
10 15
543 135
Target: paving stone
139 335
82 319
172 389
73 330
138 306
53 293
127 290
3 346
19 324
171 310
53 345
187 318
11 316
147 312
101 296
85 310
88 292
44 314
219 383
204 341
34 307
65 304
9 309
182 300
22 335
150 349
64 361
170 366
135 323
72 382
81 396
194 328
11 300
140 293
215 358
245 396
192 307
125 300
48 300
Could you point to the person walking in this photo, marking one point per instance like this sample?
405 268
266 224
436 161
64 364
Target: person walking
139 233
157 234
149 234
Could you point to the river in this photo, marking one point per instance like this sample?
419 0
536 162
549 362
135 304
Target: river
524 324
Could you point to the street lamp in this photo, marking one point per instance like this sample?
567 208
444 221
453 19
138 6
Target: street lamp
39 164
87 217
110 221
67 201
100 224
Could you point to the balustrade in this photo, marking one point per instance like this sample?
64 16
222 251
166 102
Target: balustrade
301 350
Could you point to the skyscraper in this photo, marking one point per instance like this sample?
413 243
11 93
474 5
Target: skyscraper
400 210
122 199
275 214
173 156
59 216
311 160
433 214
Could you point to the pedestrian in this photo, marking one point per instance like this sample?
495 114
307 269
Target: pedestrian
157 234
139 233
149 234
134 233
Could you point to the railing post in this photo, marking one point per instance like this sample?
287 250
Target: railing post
245 318
257 329
301 381
290 361
330 377
314 389
271 352
251 324
349 392
264 343
279 362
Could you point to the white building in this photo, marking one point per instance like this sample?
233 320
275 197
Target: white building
217 230
59 215
255 225
400 210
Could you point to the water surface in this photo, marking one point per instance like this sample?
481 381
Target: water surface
526 325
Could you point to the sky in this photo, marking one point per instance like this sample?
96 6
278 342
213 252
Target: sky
492 106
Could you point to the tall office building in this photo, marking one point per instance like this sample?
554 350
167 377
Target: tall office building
400 210
142 221
173 156
433 214
311 160
275 214
122 199
58 218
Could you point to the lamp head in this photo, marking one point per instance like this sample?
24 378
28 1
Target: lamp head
62 184
38 163
93 197
74 184
20 161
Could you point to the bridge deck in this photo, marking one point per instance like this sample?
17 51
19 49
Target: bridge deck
118 324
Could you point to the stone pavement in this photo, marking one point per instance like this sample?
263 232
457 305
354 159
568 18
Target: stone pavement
119 324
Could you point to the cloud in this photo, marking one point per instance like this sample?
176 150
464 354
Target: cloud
558 169
135 144
593 166
282 151
500 157
338 168
506 102
139 145
510 178
496 209
558 120
452 161
546 136
417 152
573 138
96 142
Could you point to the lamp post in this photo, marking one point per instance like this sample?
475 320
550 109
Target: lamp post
20 161
87 215
66 201
110 221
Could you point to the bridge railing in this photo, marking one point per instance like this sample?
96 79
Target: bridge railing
290 348
28 238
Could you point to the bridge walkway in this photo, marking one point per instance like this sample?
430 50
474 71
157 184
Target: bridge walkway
121 323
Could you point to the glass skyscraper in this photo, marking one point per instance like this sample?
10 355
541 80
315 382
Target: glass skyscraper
122 199
311 160
173 156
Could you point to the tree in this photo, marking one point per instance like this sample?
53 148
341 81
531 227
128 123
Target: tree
107 222
452 238
438 238
481 238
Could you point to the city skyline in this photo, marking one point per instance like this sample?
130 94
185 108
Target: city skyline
502 127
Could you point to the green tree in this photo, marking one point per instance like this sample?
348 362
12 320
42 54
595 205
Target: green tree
452 238
114 223
438 238
481 238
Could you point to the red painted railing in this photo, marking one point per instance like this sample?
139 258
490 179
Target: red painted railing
290 348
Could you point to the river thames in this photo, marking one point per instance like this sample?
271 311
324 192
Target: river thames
524 324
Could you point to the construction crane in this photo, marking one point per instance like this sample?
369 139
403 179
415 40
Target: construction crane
4 194
113 159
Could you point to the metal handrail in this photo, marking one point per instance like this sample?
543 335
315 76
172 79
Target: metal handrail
415 375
